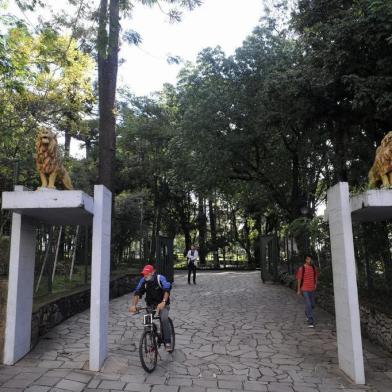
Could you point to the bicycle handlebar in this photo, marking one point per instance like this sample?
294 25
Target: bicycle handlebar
149 309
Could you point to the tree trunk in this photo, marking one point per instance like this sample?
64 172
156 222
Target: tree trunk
340 151
214 246
247 242
257 241
202 226
67 143
155 233
276 251
156 218
241 240
86 253
296 199
182 206
108 47
366 229
88 148
386 254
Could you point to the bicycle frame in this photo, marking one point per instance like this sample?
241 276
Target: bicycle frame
149 325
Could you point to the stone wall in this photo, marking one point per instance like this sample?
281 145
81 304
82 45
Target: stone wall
3 306
48 314
376 325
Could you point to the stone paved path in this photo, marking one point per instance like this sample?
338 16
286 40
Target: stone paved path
232 334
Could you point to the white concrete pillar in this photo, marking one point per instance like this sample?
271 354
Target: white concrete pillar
100 277
348 326
20 289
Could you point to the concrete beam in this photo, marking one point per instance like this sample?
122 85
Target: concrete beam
372 206
51 206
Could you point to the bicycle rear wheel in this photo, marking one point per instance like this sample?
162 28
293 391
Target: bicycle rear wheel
148 351
172 335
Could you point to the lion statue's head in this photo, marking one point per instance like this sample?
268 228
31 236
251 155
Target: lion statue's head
387 141
381 172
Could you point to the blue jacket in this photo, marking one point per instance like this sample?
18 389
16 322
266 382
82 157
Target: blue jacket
154 292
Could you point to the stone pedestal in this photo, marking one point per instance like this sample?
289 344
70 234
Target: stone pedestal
348 328
55 207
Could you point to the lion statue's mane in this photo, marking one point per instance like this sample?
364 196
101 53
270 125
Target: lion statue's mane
48 160
381 172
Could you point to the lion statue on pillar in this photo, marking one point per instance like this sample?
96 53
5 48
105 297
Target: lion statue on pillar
381 172
48 160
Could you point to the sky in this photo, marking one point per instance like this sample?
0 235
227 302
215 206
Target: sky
217 22
145 69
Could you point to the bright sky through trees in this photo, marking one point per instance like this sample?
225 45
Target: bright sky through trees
216 22
145 69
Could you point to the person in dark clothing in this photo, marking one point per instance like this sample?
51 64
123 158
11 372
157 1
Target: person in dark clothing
191 258
157 290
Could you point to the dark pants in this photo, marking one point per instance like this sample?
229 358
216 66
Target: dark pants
309 301
191 268
164 315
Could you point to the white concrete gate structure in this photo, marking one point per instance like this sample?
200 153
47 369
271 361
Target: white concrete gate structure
56 208
373 205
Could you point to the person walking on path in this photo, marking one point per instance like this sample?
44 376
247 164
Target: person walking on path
157 290
192 259
307 276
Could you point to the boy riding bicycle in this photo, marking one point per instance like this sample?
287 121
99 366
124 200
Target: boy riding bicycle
157 290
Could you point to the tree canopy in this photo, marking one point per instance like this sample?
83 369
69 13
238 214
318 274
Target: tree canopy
242 146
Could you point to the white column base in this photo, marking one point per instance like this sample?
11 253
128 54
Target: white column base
348 327
100 277
20 290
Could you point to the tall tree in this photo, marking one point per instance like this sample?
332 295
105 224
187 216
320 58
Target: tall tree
108 48
108 45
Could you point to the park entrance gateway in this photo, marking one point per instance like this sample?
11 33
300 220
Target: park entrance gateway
71 207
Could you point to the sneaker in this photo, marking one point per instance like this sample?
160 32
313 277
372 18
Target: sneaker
311 325
168 347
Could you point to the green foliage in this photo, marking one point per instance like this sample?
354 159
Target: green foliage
253 137
4 249
44 80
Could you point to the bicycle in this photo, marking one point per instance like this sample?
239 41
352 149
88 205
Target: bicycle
152 339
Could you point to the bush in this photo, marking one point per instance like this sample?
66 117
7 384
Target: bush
180 265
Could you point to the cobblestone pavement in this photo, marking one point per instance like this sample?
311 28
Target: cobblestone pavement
232 334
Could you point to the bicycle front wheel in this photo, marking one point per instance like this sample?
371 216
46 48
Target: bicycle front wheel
148 351
172 335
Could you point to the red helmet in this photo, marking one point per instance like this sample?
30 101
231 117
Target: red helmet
148 269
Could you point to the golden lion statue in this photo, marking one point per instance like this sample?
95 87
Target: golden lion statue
381 172
48 160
